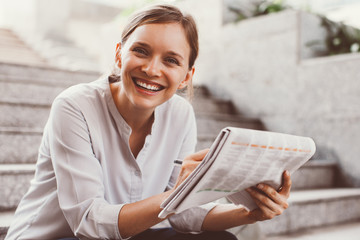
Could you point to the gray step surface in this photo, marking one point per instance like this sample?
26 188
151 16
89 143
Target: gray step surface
315 208
19 145
15 181
41 93
346 231
5 221
20 113
315 174
212 123
44 75
14 50
203 104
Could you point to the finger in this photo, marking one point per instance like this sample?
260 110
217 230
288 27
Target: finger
274 196
286 184
198 156
263 212
189 165
266 204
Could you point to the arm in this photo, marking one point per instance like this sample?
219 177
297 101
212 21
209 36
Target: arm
80 189
270 204
139 216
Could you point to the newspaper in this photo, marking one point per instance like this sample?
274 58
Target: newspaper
240 158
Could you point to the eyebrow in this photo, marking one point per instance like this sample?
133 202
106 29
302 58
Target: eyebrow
168 52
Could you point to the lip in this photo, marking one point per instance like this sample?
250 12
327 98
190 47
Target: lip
157 88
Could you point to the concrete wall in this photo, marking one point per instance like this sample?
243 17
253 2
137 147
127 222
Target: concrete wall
262 71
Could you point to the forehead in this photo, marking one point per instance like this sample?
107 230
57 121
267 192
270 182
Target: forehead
166 36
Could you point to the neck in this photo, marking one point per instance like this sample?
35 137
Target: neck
138 119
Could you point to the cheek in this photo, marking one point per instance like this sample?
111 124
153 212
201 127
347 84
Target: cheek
128 61
178 77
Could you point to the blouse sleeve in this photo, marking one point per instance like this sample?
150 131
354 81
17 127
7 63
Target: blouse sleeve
79 175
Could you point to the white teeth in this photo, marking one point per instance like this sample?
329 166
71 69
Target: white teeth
148 86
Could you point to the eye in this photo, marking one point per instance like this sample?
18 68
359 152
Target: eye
172 60
140 51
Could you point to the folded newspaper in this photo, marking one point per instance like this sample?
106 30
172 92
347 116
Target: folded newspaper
240 158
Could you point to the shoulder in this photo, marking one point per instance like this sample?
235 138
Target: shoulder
84 90
179 106
83 93
177 111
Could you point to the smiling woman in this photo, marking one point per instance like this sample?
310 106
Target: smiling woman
105 163
154 64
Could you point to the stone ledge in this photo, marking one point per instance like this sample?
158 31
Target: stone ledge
25 102
349 230
43 68
315 208
5 221
16 169
322 195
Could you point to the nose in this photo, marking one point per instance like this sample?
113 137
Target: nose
152 67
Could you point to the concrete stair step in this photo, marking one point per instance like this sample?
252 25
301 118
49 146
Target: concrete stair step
8 34
199 91
5 221
348 231
210 124
19 145
19 53
44 94
9 38
22 113
315 208
17 49
28 60
202 92
204 104
20 73
21 84
10 41
13 50
315 174
15 181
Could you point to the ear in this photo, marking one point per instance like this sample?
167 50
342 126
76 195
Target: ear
118 55
188 78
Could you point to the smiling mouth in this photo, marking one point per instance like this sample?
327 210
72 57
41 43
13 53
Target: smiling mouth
148 86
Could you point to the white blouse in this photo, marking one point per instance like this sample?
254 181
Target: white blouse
86 172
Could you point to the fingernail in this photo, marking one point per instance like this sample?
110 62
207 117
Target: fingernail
261 186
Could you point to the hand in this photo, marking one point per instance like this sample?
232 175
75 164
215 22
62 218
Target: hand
271 203
189 164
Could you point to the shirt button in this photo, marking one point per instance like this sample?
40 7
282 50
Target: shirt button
137 173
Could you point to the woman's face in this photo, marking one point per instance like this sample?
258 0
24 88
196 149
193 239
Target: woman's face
154 64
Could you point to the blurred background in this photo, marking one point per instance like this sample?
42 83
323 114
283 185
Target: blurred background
288 66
